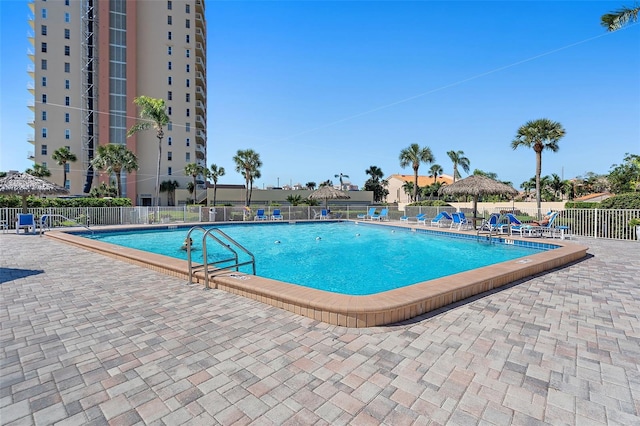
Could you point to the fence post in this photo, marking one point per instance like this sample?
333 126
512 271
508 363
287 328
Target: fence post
595 224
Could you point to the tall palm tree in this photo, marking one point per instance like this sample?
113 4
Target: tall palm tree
39 170
376 184
169 186
341 176
153 113
458 159
407 187
63 156
310 185
248 164
194 170
414 155
215 173
617 19
115 158
375 172
435 171
539 134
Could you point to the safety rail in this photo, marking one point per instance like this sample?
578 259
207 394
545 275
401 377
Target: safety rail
488 229
45 220
225 241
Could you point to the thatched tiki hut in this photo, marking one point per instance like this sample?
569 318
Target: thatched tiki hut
477 185
328 193
24 184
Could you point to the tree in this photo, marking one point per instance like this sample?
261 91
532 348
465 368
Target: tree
215 173
539 134
104 190
327 182
435 171
458 159
154 115
39 170
194 170
414 155
376 184
294 200
341 176
490 175
248 165
625 177
619 18
115 158
407 187
63 156
310 185
169 186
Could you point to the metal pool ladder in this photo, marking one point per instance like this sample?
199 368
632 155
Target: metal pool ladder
225 241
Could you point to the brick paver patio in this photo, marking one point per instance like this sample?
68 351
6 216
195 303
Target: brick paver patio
86 339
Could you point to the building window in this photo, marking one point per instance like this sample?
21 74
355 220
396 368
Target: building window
187 53
44 81
66 2
44 115
187 157
188 112
169 65
43 30
67 84
188 82
43 64
43 13
187 127
188 141
168 50
169 171
168 35
169 140
67 101
169 20
67 117
169 5
169 95
187 8
67 17
187 23
168 110
188 38
44 164
188 68
44 135
43 47
169 156
67 33
67 134
44 98
67 67
169 80
67 51
43 148
170 126
188 97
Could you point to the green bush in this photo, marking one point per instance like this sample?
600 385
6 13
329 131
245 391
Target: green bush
14 201
581 205
630 200
429 203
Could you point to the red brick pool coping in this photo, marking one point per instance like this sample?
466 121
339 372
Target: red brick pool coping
344 310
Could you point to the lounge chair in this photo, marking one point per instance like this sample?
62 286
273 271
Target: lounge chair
459 221
26 221
442 219
491 224
276 215
384 215
260 215
419 217
364 216
324 214
549 228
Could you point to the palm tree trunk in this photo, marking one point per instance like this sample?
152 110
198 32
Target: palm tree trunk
157 191
538 173
415 185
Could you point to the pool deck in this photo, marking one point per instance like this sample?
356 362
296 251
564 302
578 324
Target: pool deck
88 339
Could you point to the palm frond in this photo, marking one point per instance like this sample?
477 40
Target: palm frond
619 18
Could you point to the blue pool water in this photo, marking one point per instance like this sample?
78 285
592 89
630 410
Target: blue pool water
342 257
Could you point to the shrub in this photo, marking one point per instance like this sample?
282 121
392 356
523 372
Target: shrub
629 200
429 203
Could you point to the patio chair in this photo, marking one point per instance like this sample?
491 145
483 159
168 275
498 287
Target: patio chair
384 215
491 224
364 216
260 215
324 214
442 219
459 221
26 221
276 215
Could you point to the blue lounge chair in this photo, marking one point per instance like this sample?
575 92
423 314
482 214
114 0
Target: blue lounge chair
26 221
442 219
459 221
491 224
260 215
419 218
324 214
384 215
371 212
276 215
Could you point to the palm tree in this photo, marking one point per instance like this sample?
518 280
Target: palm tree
154 115
375 172
215 173
341 176
414 155
407 187
617 19
248 164
310 185
169 186
539 134
376 184
458 159
435 171
39 170
193 170
294 200
115 158
63 156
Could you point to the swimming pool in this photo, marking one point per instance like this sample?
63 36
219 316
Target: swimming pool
341 257
372 310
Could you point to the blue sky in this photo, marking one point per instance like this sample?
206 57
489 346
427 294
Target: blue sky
322 88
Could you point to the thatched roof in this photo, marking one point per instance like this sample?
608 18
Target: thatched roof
477 185
328 193
25 184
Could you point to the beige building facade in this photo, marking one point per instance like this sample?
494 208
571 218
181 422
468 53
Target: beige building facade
397 193
91 59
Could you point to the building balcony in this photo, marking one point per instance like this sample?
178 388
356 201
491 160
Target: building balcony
200 108
31 138
31 105
200 6
31 124
201 94
200 134
199 18
200 120
201 80
200 35
30 155
31 89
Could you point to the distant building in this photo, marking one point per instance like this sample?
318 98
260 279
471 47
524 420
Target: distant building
90 60
396 186
594 198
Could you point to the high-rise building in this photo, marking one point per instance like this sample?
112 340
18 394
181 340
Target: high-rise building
91 59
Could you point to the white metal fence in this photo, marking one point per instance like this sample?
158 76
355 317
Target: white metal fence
595 223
